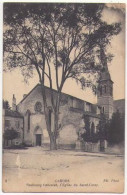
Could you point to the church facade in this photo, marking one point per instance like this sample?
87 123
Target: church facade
70 117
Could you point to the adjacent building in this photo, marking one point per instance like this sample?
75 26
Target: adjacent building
12 119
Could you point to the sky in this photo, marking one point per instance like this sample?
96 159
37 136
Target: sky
13 82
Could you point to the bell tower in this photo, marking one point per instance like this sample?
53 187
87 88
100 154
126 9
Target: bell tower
105 93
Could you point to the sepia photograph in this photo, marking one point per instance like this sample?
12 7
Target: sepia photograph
63 103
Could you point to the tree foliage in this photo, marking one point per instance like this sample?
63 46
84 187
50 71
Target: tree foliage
116 128
67 39
101 130
69 36
90 135
10 134
103 127
6 104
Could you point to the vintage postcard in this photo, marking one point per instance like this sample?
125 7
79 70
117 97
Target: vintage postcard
63 97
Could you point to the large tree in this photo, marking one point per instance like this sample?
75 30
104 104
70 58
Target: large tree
116 128
69 38
6 104
10 134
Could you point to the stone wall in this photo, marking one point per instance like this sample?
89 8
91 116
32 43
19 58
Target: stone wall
71 123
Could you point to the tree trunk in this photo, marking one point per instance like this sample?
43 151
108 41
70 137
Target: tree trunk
56 119
52 137
52 134
53 145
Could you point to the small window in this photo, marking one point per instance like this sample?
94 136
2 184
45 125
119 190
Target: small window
98 110
92 128
111 91
38 107
88 107
63 100
17 124
28 121
103 110
7 123
74 103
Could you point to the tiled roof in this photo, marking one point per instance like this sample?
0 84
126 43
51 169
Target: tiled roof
12 113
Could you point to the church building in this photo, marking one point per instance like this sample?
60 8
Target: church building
72 110
71 113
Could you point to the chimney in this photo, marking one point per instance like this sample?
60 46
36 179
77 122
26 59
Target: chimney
14 103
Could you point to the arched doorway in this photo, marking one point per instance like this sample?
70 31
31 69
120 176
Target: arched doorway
38 136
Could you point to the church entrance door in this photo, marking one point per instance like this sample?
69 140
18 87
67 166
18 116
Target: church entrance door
38 139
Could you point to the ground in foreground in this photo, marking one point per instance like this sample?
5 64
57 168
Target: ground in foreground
39 170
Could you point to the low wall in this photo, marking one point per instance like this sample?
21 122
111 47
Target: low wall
66 146
87 146
91 147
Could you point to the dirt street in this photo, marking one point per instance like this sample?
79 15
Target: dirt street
39 170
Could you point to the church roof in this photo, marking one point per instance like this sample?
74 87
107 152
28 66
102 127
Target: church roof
46 87
93 107
28 93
